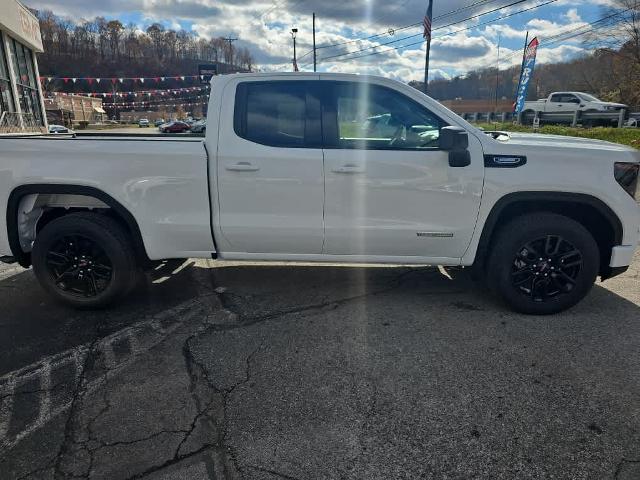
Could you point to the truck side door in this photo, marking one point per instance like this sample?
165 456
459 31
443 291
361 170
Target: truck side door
270 180
563 102
390 191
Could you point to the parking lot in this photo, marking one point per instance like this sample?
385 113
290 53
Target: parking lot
216 370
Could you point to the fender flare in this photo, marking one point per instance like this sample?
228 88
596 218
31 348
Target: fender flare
24 259
491 223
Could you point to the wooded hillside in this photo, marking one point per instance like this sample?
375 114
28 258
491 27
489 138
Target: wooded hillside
108 48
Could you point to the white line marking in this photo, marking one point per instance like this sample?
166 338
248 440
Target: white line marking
77 356
6 408
45 395
78 362
134 345
109 355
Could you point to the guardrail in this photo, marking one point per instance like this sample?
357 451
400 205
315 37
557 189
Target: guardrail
618 118
501 117
586 119
12 122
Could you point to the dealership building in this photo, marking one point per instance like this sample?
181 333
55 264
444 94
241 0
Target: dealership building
21 101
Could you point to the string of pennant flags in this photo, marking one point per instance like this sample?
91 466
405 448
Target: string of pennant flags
149 93
202 98
116 80
121 106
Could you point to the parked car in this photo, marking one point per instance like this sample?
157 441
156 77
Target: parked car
199 127
569 102
537 217
143 122
174 127
60 129
159 122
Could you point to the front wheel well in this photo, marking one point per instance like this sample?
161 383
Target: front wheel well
593 214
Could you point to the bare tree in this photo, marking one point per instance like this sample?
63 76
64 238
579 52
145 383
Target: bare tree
114 32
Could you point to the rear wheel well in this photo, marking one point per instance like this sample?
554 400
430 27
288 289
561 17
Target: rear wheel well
590 212
55 201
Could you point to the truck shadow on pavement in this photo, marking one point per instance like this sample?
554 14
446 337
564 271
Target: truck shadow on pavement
33 326
356 366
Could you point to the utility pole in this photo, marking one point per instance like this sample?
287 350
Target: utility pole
495 110
426 23
314 41
294 33
230 41
114 90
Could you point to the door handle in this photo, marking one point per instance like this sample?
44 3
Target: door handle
242 167
349 168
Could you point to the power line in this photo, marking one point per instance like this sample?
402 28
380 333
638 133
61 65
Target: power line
573 32
435 36
405 27
439 28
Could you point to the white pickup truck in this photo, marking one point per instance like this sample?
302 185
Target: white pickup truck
569 102
293 169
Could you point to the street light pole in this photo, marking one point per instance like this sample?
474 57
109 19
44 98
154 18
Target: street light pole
294 33
314 42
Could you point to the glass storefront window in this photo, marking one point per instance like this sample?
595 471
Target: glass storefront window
6 95
26 83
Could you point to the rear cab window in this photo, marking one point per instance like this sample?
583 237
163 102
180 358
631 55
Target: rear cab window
283 114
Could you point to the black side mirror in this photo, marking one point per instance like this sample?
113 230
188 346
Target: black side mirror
455 140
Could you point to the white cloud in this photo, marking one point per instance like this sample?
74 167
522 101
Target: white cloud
264 25
572 15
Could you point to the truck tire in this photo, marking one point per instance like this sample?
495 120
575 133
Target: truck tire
85 260
543 263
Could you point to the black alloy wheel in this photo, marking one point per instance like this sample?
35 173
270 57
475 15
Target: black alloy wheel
79 266
546 267
85 260
542 263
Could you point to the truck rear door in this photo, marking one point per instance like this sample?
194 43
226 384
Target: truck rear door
270 168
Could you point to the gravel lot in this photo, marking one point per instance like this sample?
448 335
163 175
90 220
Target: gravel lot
216 371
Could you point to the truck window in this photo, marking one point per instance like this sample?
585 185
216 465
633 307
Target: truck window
375 117
558 98
273 113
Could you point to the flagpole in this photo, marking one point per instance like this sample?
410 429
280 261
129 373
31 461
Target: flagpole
426 66
427 35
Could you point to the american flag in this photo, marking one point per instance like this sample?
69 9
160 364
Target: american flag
426 22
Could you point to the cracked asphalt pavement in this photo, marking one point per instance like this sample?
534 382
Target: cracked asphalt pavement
222 371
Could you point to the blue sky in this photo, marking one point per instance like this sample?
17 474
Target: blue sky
263 26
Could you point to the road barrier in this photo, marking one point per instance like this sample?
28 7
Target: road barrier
586 119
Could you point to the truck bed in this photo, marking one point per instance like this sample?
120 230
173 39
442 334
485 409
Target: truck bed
163 182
